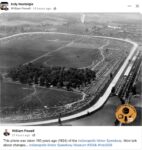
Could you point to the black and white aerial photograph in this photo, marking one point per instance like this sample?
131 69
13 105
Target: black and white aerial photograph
70 69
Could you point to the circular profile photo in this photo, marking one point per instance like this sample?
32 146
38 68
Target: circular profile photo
4 6
6 133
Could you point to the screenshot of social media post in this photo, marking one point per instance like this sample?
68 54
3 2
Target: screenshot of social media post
70 75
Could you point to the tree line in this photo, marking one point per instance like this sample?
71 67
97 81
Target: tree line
51 75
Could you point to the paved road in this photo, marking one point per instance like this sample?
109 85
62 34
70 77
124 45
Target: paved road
102 99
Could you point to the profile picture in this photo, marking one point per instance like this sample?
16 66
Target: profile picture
6 133
4 6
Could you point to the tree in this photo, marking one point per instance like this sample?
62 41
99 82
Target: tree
55 75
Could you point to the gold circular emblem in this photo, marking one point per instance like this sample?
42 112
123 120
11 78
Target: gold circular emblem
126 113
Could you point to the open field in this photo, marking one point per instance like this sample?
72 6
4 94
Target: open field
55 97
59 49
119 45
13 95
72 57
23 102
21 49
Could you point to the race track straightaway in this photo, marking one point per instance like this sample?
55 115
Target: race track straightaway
102 99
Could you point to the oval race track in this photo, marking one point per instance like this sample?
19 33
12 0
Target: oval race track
102 99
